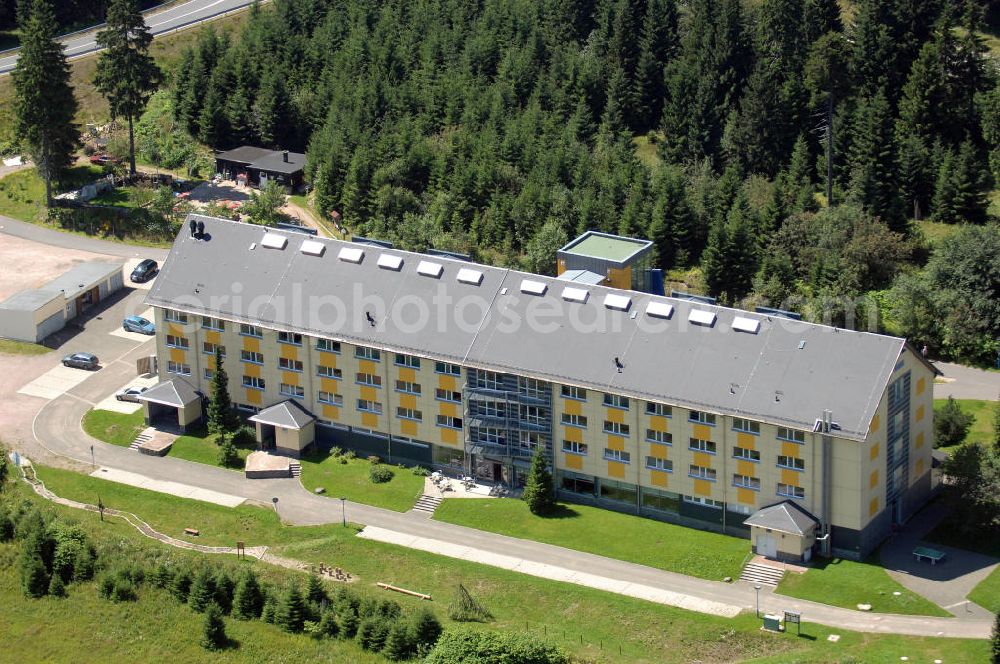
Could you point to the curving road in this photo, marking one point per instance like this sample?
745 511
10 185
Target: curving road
160 21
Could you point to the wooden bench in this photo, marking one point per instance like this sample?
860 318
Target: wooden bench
933 555
191 531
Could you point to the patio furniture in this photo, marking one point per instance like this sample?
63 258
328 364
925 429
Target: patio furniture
933 555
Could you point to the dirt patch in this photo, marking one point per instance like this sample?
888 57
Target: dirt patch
26 264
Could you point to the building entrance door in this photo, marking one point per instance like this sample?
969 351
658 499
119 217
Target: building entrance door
767 546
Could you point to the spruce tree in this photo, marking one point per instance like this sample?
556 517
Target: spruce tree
214 629
202 590
56 586
399 643
995 642
228 456
328 626
291 610
44 105
820 17
34 578
248 601
220 406
538 489
224 589
873 167
180 586
657 45
269 611
427 628
315 592
729 262
126 74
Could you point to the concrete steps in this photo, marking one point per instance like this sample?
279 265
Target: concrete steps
139 440
296 468
762 574
427 504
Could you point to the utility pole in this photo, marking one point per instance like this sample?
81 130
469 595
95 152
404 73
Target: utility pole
829 149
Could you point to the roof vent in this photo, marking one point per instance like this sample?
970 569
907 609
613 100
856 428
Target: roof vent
659 310
429 269
533 287
802 344
274 241
699 317
390 262
575 294
470 276
313 248
743 324
351 254
620 302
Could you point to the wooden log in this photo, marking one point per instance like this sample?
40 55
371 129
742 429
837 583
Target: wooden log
397 589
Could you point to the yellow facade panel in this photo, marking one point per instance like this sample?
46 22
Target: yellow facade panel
328 359
703 459
873 453
252 370
791 449
616 470
254 397
331 412
921 385
746 496
920 413
449 409
251 344
408 427
616 443
702 488
573 461
658 478
658 450
920 467
447 383
747 440
213 337
919 440
873 507
748 468
408 400
328 385
874 425
702 431
449 436
368 393
560 266
573 434
615 415
792 477
175 330
367 366
572 407
369 420
288 351
620 278
873 480
407 374
177 355
290 377
659 423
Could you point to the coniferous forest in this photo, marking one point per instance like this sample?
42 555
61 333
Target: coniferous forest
505 127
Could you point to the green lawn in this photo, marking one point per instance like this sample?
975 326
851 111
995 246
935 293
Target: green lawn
647 152
987 593
606 533
11 347
201 447
846 583
981 430
591 624
115 428
350 480
22 194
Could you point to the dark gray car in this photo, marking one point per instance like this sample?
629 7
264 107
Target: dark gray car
81 361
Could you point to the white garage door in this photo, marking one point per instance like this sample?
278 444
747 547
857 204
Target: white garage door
767 546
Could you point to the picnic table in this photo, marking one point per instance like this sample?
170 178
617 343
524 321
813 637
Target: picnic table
933 555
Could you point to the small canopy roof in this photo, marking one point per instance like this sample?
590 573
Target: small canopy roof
286 414
175 392
785 517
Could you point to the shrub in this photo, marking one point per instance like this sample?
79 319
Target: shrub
228 456
327 626
951 424
6 527
213 636
380 474
245 436
180 587
465 608
56 586
399 644
374 459
427 629
372 633
420 471
510 648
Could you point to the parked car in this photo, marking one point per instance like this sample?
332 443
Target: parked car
138 324
81 361
145 271
102 159
130 394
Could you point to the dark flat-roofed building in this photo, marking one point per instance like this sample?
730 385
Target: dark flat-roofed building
256 166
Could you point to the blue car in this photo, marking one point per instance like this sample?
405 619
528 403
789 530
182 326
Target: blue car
138 324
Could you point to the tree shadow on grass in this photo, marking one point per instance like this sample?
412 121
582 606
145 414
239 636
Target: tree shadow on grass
560 511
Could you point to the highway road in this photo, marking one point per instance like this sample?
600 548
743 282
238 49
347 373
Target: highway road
159 21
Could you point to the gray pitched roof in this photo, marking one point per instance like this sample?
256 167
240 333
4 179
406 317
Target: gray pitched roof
287 414
785 517
176 392
245 154
787 373
275 162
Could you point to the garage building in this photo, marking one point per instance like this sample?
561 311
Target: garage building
32 315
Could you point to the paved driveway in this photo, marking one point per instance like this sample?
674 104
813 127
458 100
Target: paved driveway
964 382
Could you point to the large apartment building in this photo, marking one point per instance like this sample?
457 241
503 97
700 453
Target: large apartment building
702 415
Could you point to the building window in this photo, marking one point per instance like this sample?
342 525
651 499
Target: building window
746 482
253 382
701 417
576 393
659 409
492 409
289 364
330 398
328 345
795 463
207 373
706 502
292 338
178 368
490 436
291 390
407 387
618 491
746 426
252 357
746 454
577 484
213 324
449 422
661 501
701 472
791 491
616 428
328 372
407 361
447 369
699 445
489 380
661 437
366 406
365 353
172 316
251 331
532 387
177 342
210 348
574 420
409 414
372 380
617 455
574 447
527 440
791 435
533 415
616 401
657 463
448 395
